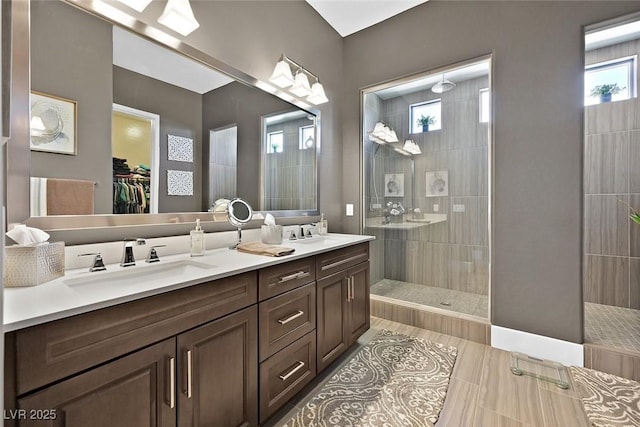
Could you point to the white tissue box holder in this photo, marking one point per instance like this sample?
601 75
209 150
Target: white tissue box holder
272 234
31 265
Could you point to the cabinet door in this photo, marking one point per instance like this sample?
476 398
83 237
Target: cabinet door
129 392
331 322
358 314
218 372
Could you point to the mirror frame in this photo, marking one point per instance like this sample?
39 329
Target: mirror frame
19 148
233 218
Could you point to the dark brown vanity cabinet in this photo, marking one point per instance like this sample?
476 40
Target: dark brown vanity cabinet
224 353
185 358
343 301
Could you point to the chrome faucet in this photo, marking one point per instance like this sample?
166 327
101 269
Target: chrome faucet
97 264
128 259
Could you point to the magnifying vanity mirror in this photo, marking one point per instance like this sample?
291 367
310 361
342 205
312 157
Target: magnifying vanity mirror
240 214
161 127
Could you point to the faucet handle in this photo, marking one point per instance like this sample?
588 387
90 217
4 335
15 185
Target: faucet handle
98 263
292 235
153 254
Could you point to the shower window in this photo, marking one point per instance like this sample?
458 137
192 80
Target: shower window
429 108
619 71
484 105
275 142
305 139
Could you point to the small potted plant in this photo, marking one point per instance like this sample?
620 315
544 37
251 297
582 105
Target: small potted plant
425 121
605 91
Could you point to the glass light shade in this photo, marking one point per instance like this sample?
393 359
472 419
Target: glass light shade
443 85
138 5
317 95
282 76
411 147
179 17
300 85
392 136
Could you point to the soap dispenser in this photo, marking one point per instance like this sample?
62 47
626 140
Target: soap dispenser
197 240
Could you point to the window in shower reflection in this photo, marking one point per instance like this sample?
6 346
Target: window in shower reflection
431 248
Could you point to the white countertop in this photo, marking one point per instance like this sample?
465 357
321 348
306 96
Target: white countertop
408 222
80 291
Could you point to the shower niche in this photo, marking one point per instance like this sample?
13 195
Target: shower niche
426 151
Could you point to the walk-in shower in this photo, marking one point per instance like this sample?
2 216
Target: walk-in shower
426 152
611 280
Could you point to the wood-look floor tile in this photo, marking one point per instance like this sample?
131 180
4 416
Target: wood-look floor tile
515 397
460 404
487 418
561 410
469 363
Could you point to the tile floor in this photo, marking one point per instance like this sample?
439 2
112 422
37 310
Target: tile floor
482 393
615 327
460 302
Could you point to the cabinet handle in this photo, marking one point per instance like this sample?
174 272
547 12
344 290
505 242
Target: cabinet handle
189 374
348 288
293 371
290 318
342 261
353 288
298 275
172 383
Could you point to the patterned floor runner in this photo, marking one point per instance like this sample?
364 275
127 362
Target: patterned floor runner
608 400
395 380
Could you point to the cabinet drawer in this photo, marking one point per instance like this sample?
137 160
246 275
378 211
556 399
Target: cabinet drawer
286 318
55 350
281 278
334 261
285 373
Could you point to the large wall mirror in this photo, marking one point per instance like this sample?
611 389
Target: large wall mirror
121 124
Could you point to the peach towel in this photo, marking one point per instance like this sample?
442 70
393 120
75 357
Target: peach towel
260 248
70 197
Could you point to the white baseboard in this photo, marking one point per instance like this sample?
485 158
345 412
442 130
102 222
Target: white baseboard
539 346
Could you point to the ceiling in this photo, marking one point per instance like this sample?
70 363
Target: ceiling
350 16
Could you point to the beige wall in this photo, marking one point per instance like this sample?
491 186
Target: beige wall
134 146
537 204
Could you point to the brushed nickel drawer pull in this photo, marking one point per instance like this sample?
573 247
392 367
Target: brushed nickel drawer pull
172 383
348 288
293 371
298 275
290 318
342 261
189 374
353 288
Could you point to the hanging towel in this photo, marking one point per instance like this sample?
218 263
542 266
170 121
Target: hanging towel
70 196
38 197
260 248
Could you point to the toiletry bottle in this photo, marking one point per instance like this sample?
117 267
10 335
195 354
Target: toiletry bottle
323 226
197 240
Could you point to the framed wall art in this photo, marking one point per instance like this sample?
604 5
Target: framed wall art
53 124
394 185
437 183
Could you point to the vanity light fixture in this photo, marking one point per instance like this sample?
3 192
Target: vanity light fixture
411 147
178 16
298 85
383 134
138 5
301 87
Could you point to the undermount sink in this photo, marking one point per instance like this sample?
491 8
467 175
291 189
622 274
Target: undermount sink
141 272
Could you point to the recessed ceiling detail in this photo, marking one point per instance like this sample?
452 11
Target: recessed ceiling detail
350 16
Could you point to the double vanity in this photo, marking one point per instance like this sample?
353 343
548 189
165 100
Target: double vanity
221 340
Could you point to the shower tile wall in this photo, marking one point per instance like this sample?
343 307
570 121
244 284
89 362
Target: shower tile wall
452 254
287 184
612 175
